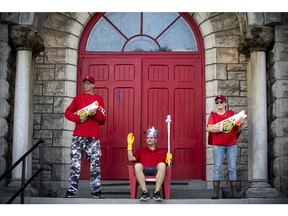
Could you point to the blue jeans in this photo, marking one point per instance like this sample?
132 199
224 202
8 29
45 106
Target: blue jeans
231 154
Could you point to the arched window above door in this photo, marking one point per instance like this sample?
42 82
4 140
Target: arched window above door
141 32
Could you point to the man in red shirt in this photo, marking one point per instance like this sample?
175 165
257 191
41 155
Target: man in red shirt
86 137
149 161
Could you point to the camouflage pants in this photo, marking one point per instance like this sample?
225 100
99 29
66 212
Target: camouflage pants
92 147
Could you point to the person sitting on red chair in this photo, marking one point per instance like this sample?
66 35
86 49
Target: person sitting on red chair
150 161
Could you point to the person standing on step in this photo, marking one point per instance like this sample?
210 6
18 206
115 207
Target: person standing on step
86 138
224 142
150 161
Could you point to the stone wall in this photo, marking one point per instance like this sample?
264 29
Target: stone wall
277 76
55 86
7 79
225 74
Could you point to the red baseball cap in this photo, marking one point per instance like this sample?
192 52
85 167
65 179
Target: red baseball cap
90 79
222 97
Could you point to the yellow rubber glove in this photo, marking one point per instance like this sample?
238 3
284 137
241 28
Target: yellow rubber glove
168 157
130 141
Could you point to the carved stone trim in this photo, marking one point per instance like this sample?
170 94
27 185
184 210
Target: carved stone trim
26 37
257 38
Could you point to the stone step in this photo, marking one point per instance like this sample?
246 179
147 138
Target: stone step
53 200
118 192
124 184
175 194
121 189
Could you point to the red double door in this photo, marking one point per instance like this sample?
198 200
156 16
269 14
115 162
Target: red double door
140 92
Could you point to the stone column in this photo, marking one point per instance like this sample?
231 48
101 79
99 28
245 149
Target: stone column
255 44
249 121
27 43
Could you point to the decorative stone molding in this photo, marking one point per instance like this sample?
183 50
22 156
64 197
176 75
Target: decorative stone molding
26 37
256 38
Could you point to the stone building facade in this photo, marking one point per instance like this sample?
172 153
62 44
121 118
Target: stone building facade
245 59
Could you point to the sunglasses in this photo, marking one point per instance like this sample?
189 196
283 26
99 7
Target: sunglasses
217 102
87 83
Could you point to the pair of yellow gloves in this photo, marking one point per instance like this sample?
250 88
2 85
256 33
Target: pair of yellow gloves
130 141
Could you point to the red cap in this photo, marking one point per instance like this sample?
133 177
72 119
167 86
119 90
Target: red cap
222 97
90 79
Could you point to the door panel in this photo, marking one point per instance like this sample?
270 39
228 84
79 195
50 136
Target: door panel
118 80
173 86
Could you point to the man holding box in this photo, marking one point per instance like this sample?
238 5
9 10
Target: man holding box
86 137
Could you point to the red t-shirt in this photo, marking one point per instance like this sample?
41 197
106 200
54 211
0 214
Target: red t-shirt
150 158
222 138
89 128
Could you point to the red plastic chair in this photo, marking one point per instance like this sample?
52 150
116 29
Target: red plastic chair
134 183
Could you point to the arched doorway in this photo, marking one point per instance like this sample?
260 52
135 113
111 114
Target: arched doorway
146 66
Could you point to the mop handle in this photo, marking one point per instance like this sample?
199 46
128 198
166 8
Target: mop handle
168 121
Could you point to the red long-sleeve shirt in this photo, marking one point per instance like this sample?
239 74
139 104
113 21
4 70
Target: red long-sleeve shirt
89 128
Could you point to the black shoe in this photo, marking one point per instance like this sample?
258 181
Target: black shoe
157 196
69 195
215 192
145 195
98 195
